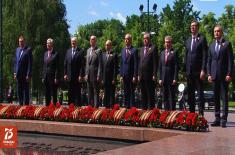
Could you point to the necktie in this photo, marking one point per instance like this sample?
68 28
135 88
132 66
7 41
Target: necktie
193 43
127 52
217 48
49 55
92 50
166 55
73 52
145 51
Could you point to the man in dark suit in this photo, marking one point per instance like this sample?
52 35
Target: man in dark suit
23 70
168 71
129 71
74 71
220 68
109 65
50 72
93 72
195 66
148 72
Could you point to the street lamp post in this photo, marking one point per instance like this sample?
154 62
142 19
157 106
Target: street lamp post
141 8
1 55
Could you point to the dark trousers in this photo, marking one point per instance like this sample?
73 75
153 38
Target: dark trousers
220 88
194 83
109 95
74 92
147 91
23 91
50 90
129 93
93 93
169 96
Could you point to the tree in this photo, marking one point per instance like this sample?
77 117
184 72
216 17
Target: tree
227 21
207 26
103 29
36 20
176 22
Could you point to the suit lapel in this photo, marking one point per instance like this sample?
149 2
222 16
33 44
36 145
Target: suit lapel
124 54
19 55
163 58
142 53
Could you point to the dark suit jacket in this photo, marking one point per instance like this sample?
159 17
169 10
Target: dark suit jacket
74 66
129 64
148 64
93 64
220 65
195 60
51 65
109 66
169 70
23 63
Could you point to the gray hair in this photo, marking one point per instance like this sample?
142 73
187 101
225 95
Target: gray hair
128 35
146 34
74 38
168 38
50 40
93 36
219 26
108 42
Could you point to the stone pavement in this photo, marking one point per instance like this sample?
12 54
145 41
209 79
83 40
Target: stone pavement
218 141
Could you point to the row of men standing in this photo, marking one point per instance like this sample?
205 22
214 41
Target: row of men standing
101 68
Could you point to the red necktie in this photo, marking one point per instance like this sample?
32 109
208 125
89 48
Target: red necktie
166 56
48 55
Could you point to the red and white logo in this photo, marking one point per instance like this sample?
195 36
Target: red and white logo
8 137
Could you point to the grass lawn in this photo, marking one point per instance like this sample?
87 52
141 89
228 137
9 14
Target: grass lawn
231 104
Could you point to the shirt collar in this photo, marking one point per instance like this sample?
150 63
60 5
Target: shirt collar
194 36
219 41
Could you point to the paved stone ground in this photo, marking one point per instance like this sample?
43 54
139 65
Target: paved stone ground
218 141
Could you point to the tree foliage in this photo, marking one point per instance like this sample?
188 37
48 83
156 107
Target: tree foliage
36 20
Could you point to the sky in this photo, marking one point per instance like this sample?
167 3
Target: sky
81 12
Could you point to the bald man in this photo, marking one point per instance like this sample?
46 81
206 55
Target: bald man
93 72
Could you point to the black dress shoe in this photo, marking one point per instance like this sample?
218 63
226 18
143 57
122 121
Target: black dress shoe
223 125
215 123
